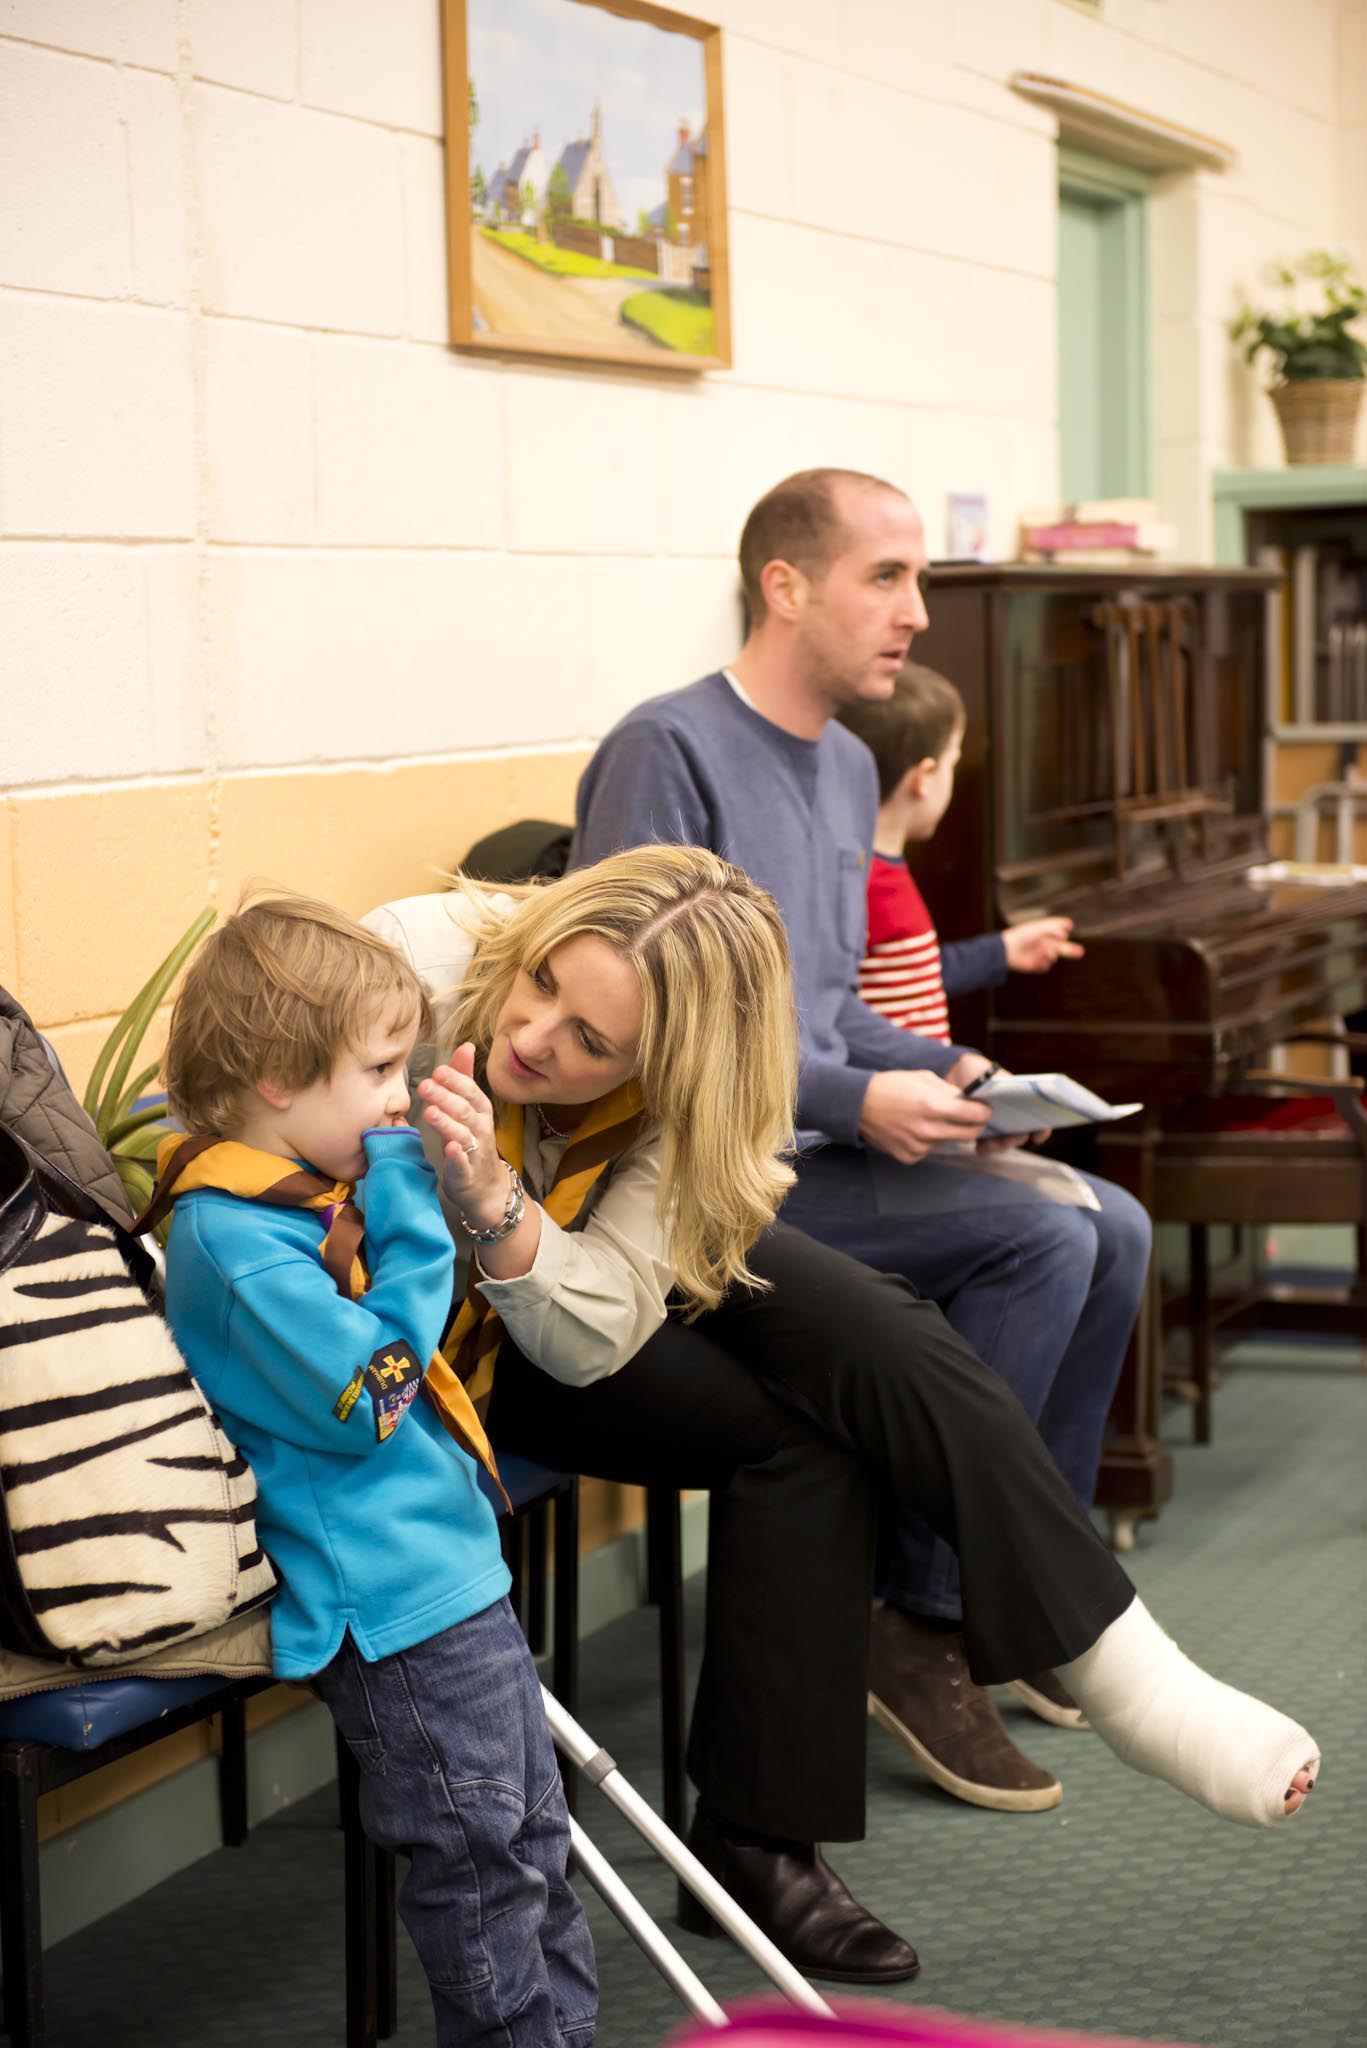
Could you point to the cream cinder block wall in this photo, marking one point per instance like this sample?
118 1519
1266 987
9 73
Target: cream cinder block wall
1352 139
289 590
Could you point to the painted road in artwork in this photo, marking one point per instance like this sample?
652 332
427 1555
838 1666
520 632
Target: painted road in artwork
514 296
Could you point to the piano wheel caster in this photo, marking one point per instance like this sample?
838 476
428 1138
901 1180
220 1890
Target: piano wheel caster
1123 1524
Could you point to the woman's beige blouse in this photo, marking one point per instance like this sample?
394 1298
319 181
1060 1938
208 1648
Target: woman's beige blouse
592 1296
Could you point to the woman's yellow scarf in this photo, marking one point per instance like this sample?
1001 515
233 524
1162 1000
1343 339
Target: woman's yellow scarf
184 1164
470 1350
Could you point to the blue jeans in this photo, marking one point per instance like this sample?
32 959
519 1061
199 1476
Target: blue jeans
1046 1293
458 1774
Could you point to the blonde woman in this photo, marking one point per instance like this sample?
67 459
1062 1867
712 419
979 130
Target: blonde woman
612 1128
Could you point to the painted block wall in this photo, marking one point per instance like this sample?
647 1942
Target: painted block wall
289 590
1352 138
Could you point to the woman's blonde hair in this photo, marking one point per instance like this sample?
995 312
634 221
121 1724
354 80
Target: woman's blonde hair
718 1054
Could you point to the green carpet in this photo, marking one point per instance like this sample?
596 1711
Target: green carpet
1126 1909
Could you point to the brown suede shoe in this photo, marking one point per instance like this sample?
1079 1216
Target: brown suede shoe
921 1692
1043 1694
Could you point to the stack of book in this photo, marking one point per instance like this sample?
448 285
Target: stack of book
1111 532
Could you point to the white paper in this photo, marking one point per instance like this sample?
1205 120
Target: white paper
1051 1179
1044 1102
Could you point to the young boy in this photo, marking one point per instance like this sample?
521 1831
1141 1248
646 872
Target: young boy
286 1066
916 737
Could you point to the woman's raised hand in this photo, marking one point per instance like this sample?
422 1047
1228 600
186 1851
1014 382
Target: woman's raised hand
474 1176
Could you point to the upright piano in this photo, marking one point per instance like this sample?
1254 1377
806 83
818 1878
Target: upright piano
1114 771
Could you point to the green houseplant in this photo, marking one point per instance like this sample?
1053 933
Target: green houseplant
131 1135
1319 362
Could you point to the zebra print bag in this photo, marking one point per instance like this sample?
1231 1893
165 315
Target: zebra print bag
128 1517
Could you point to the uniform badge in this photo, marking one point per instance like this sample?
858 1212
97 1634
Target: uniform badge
349 1396
393 1377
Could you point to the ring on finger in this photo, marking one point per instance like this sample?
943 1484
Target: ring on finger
472 1148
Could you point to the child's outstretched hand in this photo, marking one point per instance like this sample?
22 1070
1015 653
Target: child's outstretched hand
1034 947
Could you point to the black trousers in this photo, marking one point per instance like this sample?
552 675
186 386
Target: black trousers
806 1411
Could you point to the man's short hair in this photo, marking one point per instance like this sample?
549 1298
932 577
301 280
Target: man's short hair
278 992
916 723
797 522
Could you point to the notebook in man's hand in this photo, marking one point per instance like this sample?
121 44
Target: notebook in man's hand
1043 1102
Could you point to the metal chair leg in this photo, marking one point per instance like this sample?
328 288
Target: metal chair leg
1198 1239
664 1552
21 1924
565 1619
232 1775
360 1929
512 1541
537 1574
386 1945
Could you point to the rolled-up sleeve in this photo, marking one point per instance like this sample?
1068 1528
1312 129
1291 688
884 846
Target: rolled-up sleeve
593 1296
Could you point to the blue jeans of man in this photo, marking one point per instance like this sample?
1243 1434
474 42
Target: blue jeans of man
458 1774
1046 1293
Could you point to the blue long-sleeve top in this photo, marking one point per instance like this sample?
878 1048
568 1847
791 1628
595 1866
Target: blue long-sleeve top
370 1512
968 965
700 767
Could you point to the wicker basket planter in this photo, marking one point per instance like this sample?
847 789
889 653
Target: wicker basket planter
1319 417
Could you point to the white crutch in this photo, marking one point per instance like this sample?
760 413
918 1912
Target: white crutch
598 1768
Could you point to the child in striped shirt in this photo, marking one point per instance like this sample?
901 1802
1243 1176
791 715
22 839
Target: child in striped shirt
916 737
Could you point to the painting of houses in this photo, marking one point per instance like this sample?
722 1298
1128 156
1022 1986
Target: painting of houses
583 176
686 180
519 186
586 219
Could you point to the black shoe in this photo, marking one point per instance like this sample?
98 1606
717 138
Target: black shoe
795 1898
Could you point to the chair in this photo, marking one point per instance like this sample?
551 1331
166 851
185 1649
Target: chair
1280 1151
53 1738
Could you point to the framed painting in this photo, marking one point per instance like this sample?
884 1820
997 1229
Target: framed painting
586 183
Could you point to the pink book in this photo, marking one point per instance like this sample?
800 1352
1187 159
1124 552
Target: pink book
1081 533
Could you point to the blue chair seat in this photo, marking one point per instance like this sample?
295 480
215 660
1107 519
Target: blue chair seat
523 1479
94 1711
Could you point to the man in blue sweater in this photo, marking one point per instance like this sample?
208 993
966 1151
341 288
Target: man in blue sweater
752 763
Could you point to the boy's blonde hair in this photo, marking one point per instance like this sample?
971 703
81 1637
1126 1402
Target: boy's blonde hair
916 723
718 1053
278 992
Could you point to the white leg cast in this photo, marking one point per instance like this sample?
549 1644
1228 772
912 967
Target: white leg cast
1162 1714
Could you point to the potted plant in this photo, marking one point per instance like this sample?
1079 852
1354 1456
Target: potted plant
1320 364
131 1135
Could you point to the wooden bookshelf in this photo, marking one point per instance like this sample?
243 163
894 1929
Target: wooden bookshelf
1310 521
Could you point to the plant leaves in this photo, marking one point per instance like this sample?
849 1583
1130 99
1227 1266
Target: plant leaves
132 1028
140 1120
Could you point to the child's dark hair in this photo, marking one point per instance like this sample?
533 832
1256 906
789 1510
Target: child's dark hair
916 723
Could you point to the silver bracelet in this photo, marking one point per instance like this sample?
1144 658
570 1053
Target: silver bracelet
512 1215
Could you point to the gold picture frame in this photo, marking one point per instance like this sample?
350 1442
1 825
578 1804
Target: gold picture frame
554 250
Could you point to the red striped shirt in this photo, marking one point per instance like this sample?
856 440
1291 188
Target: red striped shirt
900 975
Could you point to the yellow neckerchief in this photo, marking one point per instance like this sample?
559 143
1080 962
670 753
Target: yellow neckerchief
470 1350
184 1164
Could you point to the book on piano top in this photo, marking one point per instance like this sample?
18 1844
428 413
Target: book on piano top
1044 1102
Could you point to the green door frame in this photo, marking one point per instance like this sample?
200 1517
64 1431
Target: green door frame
1120 193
